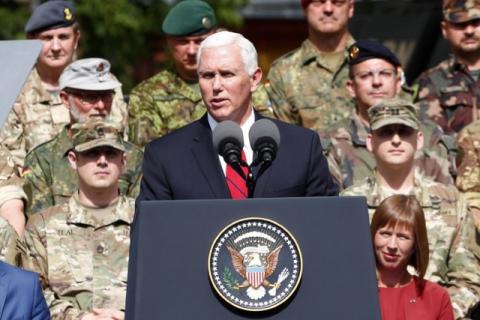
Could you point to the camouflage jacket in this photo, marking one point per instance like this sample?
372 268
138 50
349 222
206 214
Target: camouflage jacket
49 179
81 254
468 178
350 161
448 95
451 262
38 115
305 91
165 102
9 240
10 188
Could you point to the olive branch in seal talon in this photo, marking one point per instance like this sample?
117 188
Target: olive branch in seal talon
229 279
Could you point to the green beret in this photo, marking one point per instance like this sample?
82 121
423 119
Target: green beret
189 18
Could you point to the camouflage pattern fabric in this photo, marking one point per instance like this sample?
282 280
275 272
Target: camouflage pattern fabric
303 90
350 161
447 218
448 95
49 179
38 115
10 188
468 178
81 254
165 102
459 11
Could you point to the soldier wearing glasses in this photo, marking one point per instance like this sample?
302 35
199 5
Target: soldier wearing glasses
375 75
394 140
88 90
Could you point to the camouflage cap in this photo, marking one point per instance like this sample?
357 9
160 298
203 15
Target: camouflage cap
393 111
88 74
51 15
189 18
96 133
458 11
370 49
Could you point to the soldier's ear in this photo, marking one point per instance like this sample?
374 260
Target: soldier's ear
420 140
72 159
350 88
443 26
369 142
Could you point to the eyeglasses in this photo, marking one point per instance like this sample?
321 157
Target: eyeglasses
91 98
368 75
391 130
337 3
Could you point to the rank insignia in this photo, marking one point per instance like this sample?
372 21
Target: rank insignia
206 23
67 14
353 54
255 264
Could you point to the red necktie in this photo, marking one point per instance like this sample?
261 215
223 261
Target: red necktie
236 183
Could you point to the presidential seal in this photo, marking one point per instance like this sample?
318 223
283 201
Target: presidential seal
255 264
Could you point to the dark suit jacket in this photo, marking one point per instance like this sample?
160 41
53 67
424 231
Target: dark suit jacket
20 295
184 165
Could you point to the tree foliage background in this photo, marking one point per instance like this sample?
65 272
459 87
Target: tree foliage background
126 32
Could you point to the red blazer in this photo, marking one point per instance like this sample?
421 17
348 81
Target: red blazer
406 303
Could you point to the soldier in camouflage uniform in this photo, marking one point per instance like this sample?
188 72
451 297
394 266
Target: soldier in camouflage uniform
171 99
449 93
12 203
38 113
81 248
87 89
307 86
374 75
393 141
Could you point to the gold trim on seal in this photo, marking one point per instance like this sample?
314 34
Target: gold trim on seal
272 222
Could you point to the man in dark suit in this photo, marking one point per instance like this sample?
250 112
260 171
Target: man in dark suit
21 295
185 165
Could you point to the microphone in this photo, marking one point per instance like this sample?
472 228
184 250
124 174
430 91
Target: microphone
228 142
265 140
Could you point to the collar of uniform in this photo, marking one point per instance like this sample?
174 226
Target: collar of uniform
455 65
377 193
358 130
37 92
309 52
81 214
175 85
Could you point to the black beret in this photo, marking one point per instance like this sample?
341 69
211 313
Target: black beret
51 15
370 49
189 18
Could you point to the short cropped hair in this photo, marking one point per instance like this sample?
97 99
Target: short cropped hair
224 38
405 211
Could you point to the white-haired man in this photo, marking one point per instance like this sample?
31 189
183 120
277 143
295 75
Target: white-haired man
190 168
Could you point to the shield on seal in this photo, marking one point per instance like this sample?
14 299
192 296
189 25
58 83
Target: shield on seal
255 276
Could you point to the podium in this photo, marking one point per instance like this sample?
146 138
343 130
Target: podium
168 268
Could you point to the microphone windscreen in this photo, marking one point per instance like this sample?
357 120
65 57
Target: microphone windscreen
227 131
264 128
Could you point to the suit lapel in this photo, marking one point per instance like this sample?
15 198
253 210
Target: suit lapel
3 287
207 159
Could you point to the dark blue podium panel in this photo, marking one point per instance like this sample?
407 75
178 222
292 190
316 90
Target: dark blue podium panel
168 273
